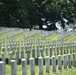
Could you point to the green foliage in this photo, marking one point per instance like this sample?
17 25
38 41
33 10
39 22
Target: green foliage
26 13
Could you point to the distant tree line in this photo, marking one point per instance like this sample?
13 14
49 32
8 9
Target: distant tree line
28 13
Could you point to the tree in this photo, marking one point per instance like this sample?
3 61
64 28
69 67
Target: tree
27 13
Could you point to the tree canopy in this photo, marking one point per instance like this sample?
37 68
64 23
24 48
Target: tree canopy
28 13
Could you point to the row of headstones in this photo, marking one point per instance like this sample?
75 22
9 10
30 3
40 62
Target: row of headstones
31 33
65 34
40 51
52 50
14 33
7 29
35 41
47 33
20 55
44 33
36 53
38 42
14 42
67 62
29 41
3 30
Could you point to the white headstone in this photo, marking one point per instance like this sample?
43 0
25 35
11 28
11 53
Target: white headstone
13 67
32 66
24 66
47 62
40 63
53 63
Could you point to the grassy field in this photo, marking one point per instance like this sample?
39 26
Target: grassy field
20 37
58 72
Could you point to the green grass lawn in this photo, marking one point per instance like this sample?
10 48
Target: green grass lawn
58 72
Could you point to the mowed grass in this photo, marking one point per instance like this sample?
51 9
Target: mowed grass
67 71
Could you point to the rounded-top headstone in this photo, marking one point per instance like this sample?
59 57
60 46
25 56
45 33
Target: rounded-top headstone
40 63
53 63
